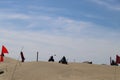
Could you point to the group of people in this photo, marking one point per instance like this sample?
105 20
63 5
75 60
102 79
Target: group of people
51 59
63 60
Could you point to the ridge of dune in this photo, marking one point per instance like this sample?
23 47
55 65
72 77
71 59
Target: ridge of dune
55 71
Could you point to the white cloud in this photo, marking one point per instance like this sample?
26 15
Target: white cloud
44 8
60 24
51 25
109 4
93 16
5 16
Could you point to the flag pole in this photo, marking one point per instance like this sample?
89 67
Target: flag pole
37 56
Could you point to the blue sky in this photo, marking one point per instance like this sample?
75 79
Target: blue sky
81 30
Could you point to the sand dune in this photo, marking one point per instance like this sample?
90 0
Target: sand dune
55 71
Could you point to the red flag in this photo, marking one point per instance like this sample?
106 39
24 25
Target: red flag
4 50
117 59
1 58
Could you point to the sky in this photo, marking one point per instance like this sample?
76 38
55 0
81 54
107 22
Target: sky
81 30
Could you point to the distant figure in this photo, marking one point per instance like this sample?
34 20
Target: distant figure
63 60
22 56
113 63
51 59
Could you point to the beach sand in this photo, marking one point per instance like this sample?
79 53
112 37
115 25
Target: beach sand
15 70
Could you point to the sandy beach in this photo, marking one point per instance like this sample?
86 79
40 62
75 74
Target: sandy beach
15 70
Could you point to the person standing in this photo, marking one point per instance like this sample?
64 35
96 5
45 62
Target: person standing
22 56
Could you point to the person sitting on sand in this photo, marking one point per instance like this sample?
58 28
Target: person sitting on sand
51 59
113 63
63 60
